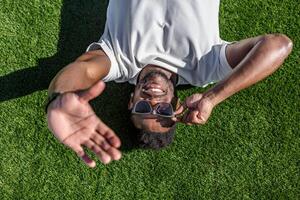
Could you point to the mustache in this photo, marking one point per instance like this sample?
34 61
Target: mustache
154 74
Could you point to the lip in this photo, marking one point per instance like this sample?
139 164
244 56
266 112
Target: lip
153 89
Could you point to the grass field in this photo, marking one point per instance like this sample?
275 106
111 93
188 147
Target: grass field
249 149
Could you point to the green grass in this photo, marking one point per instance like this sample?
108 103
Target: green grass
250 149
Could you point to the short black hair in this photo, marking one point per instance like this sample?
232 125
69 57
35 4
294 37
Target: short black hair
155 140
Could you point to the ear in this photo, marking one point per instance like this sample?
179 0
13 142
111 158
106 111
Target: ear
130 103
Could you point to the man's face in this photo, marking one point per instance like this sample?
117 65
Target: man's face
154 87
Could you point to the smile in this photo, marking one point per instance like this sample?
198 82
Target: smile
153 89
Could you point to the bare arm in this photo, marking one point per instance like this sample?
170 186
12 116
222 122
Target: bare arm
84 72
253 60
266 54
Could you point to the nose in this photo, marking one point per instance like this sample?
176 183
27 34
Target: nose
152 101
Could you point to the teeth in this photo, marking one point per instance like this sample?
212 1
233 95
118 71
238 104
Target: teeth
154 90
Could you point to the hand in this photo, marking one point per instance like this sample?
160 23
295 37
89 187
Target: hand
73 121
196 109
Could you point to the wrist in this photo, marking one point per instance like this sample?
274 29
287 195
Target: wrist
52 97
211 97
217 94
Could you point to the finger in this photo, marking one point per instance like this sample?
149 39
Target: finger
109 135
193 118
92 92
190 117
111 151
104 157
185 117
88 161
100 141
203 114
80 153
181 109
114 153
201 118
176 119
179 113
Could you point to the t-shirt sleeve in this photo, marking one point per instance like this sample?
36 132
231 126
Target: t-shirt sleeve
114 71
215 66
224 69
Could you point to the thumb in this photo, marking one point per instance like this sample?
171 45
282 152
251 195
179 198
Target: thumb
92 92
200 116
180 109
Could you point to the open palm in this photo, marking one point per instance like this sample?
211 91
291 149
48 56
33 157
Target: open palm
73 121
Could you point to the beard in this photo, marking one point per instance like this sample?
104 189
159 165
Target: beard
154 74
158 77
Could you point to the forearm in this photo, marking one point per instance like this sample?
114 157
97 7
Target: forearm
81 74
261 61
73 77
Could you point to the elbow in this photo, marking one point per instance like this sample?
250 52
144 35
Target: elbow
280 43
286 45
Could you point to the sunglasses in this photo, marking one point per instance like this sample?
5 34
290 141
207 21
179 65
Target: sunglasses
160 109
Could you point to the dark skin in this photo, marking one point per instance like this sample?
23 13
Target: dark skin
155 89
73 121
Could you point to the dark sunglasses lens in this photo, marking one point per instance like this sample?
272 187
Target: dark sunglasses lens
142 107
165 109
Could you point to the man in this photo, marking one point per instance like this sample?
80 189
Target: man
156 45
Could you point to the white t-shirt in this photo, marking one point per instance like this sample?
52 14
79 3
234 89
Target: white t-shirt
179 35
